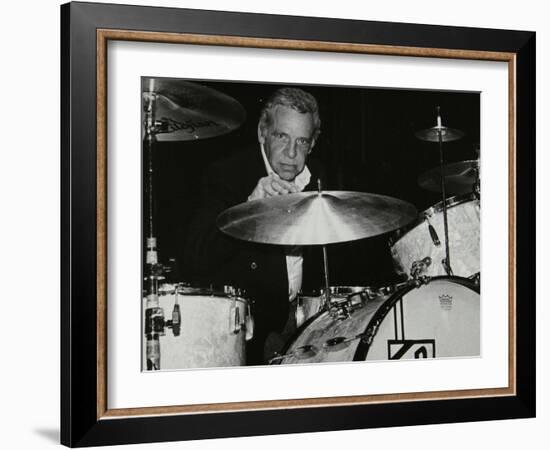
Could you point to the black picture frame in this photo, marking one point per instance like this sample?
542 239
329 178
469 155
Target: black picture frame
82 423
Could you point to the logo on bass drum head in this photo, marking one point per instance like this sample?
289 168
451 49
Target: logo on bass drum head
411 348
446 302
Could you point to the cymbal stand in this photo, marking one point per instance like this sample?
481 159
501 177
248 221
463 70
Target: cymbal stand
447 261
154 314
325 260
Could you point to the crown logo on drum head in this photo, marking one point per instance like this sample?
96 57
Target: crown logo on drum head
446 302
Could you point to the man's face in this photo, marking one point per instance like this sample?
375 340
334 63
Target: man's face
288 141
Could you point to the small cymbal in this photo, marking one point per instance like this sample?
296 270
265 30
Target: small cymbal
189 111
432 134
460 177
315 218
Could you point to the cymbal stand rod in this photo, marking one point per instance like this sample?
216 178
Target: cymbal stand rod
153 356
325 257
327 284
149 140
447 262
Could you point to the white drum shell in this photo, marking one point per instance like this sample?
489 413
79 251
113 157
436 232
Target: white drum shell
445 311
417 244
207 337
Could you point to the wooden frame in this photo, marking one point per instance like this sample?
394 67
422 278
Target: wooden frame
86 418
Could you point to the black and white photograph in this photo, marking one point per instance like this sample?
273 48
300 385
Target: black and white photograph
298 224
279 225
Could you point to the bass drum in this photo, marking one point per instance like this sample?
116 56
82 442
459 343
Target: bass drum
439 319
215 325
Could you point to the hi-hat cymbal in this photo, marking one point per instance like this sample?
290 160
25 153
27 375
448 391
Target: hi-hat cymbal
432 134
315 218
460 177
189 111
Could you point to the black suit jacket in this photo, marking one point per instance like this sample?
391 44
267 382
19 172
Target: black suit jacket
211 256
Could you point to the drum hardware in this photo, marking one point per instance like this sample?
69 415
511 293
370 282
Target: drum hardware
414 242
337 343
176 316
155 322
326 276
249 324
155 325
442 134
433 233
154 315
341 308
309 351
418 268
325 257
175 110
345 301
420 317
238 324
176 320
246 324
191 344
315 218
304 352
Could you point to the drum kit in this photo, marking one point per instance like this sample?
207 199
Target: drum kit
177 110
434 313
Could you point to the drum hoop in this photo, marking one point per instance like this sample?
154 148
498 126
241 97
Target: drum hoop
435 209
298 332
363 347
353 290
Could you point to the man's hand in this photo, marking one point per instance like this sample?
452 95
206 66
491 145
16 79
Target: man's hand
270 186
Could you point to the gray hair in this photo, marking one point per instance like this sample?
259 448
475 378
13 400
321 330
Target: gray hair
294 98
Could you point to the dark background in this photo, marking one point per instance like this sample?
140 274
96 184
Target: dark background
367 144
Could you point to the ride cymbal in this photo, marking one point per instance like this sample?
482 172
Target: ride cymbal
315 218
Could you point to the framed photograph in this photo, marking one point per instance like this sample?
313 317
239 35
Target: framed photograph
279 224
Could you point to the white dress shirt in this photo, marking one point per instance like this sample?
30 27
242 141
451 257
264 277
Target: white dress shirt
294 259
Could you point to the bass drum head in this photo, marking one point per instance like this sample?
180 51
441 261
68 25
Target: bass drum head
438 320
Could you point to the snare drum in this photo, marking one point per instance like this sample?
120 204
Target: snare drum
215 323
416 241
439 319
